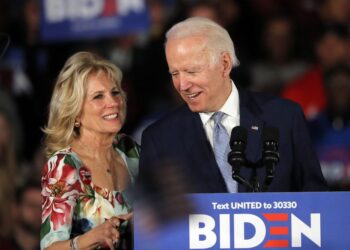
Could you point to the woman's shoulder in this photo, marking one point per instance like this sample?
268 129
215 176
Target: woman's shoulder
64 157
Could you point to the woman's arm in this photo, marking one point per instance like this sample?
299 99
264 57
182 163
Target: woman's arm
104 235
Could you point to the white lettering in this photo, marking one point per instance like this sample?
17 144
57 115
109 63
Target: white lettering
225 236
246 205
54 10
61 10
313 232
239 236
126 6
90 8
195 220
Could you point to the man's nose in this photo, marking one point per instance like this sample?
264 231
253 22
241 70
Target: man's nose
184 83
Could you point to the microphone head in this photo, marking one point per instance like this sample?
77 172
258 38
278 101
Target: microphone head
239 134
270 134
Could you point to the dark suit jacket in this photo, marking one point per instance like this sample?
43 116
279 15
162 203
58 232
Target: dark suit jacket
179 140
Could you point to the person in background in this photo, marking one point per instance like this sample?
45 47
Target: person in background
335 11
195 137
279 63
330 130
9 174
91 165
25 218
308 90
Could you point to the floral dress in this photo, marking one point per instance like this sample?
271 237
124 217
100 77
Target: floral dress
72 204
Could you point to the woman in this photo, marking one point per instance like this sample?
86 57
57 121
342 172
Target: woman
90 164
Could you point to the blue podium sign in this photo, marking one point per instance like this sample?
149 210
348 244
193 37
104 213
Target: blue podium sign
90 19
310 220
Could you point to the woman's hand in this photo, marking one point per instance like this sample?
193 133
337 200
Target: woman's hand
106 235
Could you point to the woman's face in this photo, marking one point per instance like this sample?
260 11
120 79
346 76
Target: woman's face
102 107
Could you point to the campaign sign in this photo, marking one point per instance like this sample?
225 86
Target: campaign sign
310 220
85 19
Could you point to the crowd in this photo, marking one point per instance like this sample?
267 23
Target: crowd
299 49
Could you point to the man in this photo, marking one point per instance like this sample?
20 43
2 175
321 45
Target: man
200 56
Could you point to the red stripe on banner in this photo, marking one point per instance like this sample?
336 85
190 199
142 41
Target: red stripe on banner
276 243
279 230
110 8
276 217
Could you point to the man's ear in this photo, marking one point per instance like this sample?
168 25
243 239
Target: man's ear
226 62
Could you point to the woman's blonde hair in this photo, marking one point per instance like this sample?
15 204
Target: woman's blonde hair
68 97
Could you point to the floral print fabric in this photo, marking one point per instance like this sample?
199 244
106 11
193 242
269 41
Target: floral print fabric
72 204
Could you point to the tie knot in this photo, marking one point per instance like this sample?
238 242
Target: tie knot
217 117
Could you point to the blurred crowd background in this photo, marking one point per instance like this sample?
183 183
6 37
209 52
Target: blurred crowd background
298 49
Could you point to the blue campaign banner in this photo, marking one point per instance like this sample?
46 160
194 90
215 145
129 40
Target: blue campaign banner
62 20
310 220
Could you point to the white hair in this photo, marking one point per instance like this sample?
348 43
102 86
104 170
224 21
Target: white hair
218 39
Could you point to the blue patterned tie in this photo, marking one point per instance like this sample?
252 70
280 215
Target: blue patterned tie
221 150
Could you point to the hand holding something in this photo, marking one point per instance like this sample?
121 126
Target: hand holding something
105 235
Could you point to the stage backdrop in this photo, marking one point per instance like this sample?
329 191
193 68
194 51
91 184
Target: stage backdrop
248 221
62 20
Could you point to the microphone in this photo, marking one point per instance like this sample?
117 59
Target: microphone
270 155
236 157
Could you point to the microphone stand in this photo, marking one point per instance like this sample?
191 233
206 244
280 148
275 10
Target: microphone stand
270 158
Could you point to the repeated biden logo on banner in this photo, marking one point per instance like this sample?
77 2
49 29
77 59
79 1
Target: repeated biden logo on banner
84 19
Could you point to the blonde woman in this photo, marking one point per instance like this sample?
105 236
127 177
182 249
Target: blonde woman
90 164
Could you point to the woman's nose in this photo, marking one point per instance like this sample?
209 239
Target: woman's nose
113 101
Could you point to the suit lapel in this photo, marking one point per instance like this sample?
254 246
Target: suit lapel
198 149
250 120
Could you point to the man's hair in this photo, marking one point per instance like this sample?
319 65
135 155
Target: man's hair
68 97
217 38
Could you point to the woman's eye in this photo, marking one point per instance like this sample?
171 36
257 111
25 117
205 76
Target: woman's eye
99 96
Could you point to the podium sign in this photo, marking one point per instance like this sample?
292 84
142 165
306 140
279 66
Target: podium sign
310 220
64 20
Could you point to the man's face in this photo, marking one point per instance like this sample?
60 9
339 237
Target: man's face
202 84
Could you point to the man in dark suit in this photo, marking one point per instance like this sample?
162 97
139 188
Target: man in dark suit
200 56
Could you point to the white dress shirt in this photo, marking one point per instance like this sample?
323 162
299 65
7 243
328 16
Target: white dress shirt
231 118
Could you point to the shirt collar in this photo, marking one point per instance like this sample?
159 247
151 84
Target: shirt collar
230 107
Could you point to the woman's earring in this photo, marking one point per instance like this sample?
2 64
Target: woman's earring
77 124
